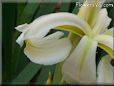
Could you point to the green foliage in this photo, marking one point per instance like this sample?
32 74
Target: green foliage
27 74
43 75
44 8
9 15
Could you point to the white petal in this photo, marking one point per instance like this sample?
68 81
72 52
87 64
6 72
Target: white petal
102 22
48 52
90 13
106 40
80 66
109 31
22 27
105 71
40 27
20 40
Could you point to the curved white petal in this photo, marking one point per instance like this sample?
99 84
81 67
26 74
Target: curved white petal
109 31
80 66
102 22
40 27
106 40
105 71
22 27
49 50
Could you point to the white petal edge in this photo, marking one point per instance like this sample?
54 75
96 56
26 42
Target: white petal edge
102 22
106 40
49 51
80 67
105 71
22 27
40 27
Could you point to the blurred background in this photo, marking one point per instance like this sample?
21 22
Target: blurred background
16 67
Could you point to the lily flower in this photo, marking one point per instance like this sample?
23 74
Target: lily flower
50 49
80 67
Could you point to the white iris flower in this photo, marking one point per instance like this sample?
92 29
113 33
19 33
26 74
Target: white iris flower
80 66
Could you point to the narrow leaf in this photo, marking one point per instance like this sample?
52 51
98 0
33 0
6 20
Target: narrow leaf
65 7
43 76
27 74
8 21
28 12
25 14
45 8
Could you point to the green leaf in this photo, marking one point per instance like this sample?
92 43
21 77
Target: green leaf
8 21
17 65
20 8
28 13
19 61
111 15
65 7
25 14
43 76
45 8
27 74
